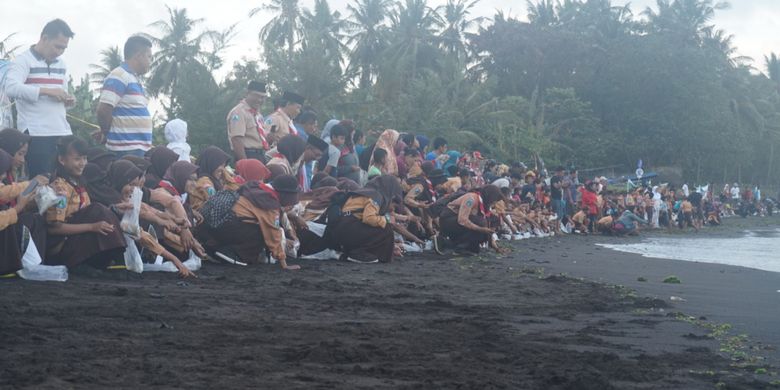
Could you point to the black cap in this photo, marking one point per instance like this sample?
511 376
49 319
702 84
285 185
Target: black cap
256 86
292 97
437 177
317 142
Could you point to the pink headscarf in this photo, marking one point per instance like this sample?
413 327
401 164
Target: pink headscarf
387 141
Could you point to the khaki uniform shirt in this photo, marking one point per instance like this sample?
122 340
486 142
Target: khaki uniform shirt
242 123
282 123
71 202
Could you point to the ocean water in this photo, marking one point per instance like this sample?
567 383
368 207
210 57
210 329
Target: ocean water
759 249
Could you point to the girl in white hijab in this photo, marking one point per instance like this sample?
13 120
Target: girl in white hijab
176 135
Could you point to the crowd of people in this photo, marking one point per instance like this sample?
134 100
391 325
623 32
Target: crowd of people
285 189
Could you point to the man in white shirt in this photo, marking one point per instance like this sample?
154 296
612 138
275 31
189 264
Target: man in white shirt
735 192
37 81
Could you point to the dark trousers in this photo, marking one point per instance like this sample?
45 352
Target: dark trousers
41 155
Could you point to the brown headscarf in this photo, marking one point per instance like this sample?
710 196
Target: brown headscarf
161 159
490 195
291 147
140 162
97 185
11 140
388 187
121 173
178 174
209 160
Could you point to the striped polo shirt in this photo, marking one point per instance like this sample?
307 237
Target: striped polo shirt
42 116
131 125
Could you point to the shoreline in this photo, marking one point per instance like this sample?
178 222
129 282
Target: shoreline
419 322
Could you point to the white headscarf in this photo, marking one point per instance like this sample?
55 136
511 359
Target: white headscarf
176 135
326 130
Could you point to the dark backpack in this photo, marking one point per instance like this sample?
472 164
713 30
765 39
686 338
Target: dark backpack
438 207
332 215
219 208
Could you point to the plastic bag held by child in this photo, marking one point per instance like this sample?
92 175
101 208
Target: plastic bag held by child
129 222
46 198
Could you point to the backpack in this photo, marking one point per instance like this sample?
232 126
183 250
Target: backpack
219 208
438 207
332 215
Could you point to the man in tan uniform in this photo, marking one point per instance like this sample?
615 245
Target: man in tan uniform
280 123
245 125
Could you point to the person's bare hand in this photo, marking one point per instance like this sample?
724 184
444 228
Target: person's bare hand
42 180
99 137
187 240
185 272
169 224
502 250
198 217
59 94
102 227
22 201
124 206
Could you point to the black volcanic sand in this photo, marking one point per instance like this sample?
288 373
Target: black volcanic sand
421 322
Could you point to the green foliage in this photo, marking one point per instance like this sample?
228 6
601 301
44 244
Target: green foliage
672 280
583 81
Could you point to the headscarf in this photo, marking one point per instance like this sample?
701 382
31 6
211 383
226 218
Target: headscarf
424 141
325 135
11 140
161 159
209 160
490 195
292 148
388 188
121 173
176 135
388 141
346 184
101 157
6 162
98 187
178 174
140 162
252 170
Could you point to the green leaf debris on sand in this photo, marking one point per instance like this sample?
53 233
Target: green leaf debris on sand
671 279
641 279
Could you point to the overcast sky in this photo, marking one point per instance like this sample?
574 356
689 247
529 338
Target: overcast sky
99 24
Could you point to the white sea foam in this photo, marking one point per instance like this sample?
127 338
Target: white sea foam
758 249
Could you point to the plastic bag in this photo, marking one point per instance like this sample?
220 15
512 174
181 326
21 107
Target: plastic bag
32 269
412 247
46 198
327 254
316 228
129 222
132 256
193 264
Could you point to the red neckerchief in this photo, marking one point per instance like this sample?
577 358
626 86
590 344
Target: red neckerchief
291 126
168 186
82 192
269 190
482 205
260 129
430 189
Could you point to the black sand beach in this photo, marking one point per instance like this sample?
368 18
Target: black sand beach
421 322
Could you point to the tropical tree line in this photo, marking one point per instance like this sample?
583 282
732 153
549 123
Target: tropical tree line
578 82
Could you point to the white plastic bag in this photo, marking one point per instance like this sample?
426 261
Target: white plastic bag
411 247
193 264
316 228
129 222
32 269
327 254
132 256
46 198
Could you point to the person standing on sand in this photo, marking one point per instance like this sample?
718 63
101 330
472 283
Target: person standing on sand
37 81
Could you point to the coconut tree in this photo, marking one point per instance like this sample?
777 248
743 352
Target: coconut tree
6 50
110 58
685 18
179 51
457 20
413 38
285 26
326 29
368 37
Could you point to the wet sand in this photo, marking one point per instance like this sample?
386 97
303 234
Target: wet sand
421 322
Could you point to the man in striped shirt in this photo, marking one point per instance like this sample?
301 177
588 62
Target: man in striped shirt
123 116
38 83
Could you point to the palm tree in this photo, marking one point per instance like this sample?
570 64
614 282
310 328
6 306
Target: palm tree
6 51
284 27
542 13
685 18
368 38
178 52
456 23
110 58
325 29
772 63
413 38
